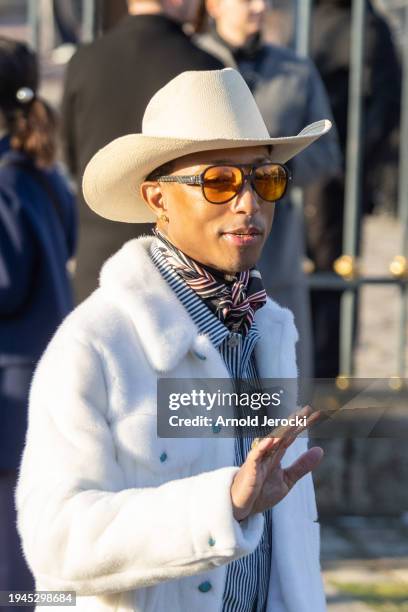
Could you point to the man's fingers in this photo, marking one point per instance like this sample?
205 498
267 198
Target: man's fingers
274 458
282 437
288 431
264 447
298 430
307 462
283 432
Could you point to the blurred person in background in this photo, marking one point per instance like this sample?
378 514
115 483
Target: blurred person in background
67 17
107 87
67 20
290 94
37 238
324 200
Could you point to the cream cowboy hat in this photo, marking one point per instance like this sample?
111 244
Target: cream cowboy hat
196 111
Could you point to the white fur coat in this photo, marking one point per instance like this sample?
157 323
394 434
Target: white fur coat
98 511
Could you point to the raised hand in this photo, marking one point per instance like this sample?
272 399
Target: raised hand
261 482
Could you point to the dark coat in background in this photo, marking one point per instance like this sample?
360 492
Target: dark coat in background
36 243
108 85
381 85
324 201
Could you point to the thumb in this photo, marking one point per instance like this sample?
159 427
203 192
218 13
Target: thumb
304 464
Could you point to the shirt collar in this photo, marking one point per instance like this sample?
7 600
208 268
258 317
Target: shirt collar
202 316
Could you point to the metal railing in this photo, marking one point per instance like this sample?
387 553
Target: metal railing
346 275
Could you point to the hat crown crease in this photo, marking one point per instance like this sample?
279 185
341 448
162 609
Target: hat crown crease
218 106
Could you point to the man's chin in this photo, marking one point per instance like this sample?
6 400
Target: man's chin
240 265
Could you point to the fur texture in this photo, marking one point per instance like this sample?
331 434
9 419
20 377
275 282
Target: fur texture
98 512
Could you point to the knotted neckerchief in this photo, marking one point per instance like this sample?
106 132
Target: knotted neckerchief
233 299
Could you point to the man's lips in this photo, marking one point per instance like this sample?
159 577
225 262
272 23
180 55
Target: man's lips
243 235
244 231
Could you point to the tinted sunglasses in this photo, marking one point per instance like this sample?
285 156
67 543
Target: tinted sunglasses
220 184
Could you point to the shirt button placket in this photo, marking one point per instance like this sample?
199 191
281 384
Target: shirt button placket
233 340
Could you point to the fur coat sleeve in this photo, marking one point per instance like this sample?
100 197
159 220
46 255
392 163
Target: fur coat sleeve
82 528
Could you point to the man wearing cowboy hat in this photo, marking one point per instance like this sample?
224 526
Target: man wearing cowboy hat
106 508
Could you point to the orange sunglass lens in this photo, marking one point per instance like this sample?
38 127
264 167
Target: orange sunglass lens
221 183
270 182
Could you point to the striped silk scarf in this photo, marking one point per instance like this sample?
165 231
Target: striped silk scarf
233 299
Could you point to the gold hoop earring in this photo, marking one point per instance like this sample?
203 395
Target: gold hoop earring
164 218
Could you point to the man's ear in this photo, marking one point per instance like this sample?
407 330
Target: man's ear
152 194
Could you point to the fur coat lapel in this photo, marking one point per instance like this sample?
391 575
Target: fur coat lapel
166 330
164 327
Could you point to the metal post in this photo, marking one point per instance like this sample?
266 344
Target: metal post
88 20
303 13
403 193
402 336
303 21
46 10
33 19
353 178
403 167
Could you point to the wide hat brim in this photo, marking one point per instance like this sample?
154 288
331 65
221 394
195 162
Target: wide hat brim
112 179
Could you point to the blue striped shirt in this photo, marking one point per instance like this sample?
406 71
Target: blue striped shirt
247 578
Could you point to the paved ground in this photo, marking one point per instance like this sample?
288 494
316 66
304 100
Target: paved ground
365 564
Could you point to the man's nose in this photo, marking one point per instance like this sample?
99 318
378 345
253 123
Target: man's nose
246 201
